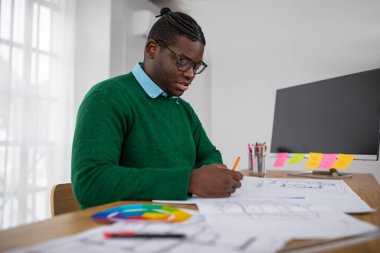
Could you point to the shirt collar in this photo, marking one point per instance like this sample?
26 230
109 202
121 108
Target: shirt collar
152 89
146 83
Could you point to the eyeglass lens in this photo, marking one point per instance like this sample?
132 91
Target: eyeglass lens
185 64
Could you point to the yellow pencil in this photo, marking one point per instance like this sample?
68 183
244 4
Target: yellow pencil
236 163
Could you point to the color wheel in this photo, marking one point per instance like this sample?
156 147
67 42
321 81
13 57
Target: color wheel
142 212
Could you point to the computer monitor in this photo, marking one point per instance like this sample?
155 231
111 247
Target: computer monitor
337 115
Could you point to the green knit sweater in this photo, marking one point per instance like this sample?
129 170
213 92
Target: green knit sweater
128 145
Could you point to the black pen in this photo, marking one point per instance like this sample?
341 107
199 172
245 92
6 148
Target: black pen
128 234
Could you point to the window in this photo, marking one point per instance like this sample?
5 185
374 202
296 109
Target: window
35 107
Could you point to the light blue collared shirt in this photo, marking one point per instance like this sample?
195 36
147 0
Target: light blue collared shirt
152 89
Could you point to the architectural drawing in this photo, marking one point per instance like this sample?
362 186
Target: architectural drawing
307 185
200 237
260 209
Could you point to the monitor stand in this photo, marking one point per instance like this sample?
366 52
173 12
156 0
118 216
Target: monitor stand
322 174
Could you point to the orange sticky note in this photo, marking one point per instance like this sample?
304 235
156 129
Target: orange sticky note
343 161
327 161
313 161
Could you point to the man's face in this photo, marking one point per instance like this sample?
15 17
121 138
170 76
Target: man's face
165 65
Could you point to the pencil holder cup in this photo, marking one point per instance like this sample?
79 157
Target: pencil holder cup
256 159
256 165
258 168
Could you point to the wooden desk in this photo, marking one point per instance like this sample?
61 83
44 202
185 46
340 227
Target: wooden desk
365 185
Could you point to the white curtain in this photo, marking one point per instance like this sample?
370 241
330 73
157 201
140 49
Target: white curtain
36 105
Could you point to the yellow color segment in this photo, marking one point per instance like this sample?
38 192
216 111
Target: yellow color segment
180 216
156 216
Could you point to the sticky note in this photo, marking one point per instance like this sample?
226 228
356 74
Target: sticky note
296 158
343 161
314 160
327 161
281 159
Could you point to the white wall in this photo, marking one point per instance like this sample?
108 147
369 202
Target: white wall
260 46
92 45
105 43
127 48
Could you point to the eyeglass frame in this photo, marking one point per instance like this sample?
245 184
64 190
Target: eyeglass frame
181 58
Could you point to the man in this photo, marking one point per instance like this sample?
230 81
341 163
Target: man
135 137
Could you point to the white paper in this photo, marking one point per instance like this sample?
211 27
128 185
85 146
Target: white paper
200 237
333 193
297 218
294 187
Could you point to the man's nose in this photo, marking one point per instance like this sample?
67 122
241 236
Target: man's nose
190 73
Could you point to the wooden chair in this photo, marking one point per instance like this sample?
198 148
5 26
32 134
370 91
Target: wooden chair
62 199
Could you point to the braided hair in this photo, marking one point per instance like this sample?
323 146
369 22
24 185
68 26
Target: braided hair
171 24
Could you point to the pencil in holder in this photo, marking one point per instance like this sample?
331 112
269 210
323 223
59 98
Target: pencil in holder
250 164
256 159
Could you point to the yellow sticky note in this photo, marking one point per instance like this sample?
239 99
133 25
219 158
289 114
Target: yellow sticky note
343 161
313 161
296 158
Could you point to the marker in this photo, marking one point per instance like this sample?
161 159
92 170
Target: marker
128 234
236 163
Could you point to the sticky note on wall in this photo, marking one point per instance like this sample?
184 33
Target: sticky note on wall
281 159
327 161
314 160
296 158
343 161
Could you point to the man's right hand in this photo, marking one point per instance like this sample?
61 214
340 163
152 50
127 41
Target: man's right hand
214 181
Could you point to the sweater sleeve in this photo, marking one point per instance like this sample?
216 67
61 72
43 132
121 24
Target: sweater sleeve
97 176
206 151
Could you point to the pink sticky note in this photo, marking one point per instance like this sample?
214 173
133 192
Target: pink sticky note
327 161
281 159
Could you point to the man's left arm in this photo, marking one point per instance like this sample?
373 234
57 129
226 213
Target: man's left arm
210 178
206 152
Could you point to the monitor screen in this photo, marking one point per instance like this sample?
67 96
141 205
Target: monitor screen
338 115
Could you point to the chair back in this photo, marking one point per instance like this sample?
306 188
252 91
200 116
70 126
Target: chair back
62 199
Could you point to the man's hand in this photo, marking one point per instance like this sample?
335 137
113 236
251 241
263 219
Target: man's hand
214 181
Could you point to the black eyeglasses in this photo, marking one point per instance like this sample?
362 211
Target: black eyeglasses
183 63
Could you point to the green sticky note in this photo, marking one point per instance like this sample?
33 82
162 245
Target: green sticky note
296 158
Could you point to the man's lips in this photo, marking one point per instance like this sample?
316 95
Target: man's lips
183 85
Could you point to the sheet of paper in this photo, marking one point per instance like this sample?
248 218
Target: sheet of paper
184 202
280 160
200 237
313 161
333 193
343 161
264 216
327 161
293 187
296 158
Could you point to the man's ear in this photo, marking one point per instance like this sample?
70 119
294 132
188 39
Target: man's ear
151 49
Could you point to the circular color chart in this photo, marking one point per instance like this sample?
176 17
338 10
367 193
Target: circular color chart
142 212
